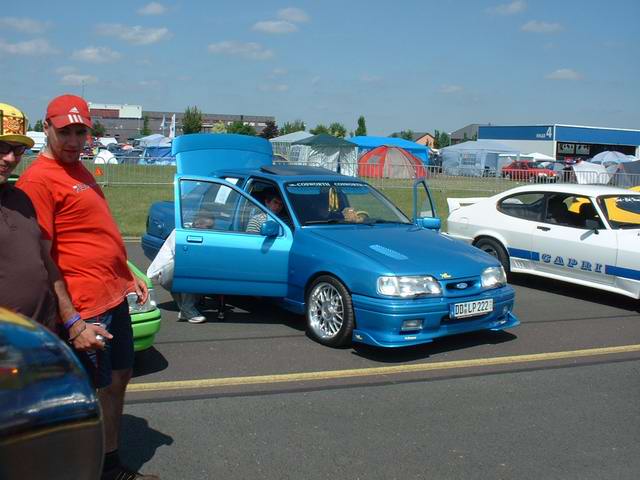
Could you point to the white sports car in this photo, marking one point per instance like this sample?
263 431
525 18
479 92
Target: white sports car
584 234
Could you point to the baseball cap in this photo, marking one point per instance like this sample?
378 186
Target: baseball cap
13 125
67 110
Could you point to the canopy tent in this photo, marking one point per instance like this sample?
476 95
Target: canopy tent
476 158
366 143
537 157
390 162
154 140
591 173
282 145
627 175
611 160
157 155
327 151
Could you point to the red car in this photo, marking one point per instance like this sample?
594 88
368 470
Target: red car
529 171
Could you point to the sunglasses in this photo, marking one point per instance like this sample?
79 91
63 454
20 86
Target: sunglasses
16 149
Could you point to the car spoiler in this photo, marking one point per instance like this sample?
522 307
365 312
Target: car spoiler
456 203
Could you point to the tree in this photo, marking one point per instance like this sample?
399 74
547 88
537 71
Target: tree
98 129
441 139
337 130
38 126
362 127
219 127
145 126
407 134
241 129
320 128
192 120
290 127
270 130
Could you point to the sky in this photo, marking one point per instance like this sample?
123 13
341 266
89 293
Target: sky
403 65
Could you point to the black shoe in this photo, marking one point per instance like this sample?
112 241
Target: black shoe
123 473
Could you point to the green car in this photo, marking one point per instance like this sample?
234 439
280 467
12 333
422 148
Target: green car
145 318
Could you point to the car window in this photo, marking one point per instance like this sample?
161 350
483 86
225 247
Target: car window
622 211
319 202
527 206
212 206
571 211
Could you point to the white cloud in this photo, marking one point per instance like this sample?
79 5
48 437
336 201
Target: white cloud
278 88
153 8
450 89
96 55
564 74
38 46
274 26
278 72
251 50
292 14
512 8
25 25
149 83
75 79
136 34
65 70
535 26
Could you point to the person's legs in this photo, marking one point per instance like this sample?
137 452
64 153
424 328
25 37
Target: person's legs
187 304
112 402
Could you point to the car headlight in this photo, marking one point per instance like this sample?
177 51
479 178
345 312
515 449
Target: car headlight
135 307
408 286
493 277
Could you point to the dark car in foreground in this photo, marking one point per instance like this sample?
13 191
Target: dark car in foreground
50 420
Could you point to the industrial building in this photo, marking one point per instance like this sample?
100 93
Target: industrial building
125 122
564 142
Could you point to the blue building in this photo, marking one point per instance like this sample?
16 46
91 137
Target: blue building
564 142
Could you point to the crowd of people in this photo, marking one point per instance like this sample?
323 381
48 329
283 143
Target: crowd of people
62 259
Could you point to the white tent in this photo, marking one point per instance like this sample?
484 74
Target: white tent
326 151
476 158
154 140
282 145
591 173
537 157
611 160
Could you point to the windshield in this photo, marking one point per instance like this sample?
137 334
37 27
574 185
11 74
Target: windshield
317 203
622 211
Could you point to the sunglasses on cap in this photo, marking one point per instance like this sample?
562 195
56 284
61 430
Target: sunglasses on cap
16 149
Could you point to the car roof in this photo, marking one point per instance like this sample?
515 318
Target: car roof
572 188
286 173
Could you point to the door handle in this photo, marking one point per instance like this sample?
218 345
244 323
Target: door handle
544 229
194 239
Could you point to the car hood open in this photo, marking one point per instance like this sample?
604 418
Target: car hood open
409 250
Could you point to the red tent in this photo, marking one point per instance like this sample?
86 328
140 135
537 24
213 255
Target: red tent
390 162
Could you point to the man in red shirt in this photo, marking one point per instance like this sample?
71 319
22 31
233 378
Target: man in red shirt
87 246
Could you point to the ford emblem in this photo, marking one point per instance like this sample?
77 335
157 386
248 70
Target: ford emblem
461 285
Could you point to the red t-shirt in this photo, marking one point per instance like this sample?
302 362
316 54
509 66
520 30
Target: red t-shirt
86 243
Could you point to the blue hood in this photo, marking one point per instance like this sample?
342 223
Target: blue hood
409 250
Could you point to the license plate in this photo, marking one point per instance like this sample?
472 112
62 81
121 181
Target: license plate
471 309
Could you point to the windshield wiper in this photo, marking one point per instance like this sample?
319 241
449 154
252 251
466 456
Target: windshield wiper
324 222
380 221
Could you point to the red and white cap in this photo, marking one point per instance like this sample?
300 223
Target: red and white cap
68 110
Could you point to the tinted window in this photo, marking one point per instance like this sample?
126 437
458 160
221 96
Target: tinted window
571 211
527 206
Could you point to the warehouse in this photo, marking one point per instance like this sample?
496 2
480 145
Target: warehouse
567 143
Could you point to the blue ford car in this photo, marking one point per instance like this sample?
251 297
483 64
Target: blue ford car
337 250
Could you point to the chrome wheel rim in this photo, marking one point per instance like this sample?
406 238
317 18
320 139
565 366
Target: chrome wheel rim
326 310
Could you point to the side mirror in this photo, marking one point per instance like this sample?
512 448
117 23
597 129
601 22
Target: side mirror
270 228
430 223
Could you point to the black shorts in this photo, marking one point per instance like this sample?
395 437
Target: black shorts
118 352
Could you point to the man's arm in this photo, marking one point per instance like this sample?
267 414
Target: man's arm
83 334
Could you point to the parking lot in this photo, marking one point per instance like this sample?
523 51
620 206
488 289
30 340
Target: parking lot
254 397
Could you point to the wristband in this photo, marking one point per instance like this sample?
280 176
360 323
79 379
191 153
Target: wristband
69 323
84 327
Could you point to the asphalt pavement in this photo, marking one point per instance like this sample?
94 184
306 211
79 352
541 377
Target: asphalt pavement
254 397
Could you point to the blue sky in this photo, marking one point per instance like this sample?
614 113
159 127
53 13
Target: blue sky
419 65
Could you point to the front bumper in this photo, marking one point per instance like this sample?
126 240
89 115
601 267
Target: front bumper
145 326
379 320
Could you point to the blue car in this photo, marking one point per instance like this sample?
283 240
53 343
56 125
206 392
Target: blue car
338 251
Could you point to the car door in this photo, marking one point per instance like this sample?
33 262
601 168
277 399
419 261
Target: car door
215 253
569 247
517 214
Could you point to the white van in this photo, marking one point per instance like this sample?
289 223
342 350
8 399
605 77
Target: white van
39 138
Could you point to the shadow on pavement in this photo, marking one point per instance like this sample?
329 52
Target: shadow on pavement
441 345
579 292
149 361
139 442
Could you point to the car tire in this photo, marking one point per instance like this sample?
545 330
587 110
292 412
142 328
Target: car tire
329 312
494 248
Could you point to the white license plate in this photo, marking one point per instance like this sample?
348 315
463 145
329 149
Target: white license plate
471 309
